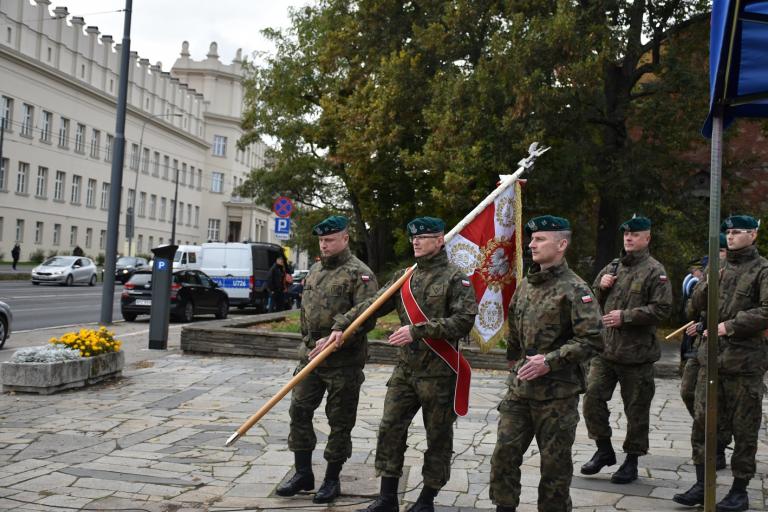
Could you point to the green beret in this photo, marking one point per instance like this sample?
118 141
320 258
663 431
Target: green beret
636 223
331 225
425 225
739 222
547 223
723 241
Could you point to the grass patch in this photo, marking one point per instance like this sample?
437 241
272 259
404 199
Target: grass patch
385 325
16 276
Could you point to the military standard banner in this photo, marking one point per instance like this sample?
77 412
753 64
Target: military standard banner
488 251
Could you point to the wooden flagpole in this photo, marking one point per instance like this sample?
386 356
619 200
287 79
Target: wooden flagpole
524 165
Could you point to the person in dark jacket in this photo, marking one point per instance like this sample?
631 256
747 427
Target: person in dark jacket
276 285
15 254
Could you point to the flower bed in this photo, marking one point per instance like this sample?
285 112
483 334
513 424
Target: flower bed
75 360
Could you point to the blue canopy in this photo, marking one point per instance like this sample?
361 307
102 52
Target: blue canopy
738 60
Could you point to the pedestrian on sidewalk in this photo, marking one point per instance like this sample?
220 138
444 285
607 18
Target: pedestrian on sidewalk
554 327
334 285
636 296
421 379
16 254
742 361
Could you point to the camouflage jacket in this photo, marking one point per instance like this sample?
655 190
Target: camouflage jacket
744 310
644 295
334 285
447 299
554 313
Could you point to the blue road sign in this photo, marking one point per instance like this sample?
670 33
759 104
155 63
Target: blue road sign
161 264
282 228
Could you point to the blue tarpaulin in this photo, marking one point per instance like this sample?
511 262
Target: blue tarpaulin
738 60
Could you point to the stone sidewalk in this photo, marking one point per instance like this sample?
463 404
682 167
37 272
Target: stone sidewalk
154 441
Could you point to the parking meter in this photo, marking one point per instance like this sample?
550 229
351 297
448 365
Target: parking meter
159 313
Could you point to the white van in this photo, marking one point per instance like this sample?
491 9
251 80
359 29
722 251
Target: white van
241 270
187 257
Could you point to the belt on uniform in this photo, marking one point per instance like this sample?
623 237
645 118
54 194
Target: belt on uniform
445 350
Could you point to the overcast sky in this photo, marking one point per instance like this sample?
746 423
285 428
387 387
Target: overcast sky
158 27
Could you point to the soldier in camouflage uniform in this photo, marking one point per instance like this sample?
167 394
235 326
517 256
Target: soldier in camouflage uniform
636 296
742 361
554 328
333 285
421 380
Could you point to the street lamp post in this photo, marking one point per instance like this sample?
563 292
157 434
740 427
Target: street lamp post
132 208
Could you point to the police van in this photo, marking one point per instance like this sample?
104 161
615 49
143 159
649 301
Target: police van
241 270
187 257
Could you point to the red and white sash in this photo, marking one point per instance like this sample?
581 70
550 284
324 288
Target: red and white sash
452 357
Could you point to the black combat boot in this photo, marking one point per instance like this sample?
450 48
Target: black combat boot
737 498
387 500
604 456
720 460
627 472
695 495
503 508
303 479
425 501
331 487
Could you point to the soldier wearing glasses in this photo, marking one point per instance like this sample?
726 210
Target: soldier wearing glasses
421 379
742 361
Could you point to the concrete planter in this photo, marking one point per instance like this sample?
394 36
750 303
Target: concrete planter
47 378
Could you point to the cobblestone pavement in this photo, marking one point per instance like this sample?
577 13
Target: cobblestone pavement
154 441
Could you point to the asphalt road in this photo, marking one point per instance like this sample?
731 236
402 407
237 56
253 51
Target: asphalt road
41 306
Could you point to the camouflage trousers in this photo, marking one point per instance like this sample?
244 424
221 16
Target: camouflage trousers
406 394
553 424
740 401
637 390
343 387
688 381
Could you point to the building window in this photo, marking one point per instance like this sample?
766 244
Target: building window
156 164
219 145
3 173
183 174
131 198
6 112
151 242
64 132
22 178
19 230
135 156
175 170
8 35
189 214
104 196
38 232
108 149
95 143
139 244
41 188
58 186
27 116
172 212
197 216
180 214
56 234
102 239
88 237
77 181
191 176
73 236
163 204
160 241
199 179
217 182
152 205
90 194
45 126
80 138
145 163
214 225
142 203
166 165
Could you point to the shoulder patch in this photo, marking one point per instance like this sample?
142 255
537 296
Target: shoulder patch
365 277
586 299
466 282
663 278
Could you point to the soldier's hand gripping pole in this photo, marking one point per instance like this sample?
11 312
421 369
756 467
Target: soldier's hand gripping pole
314 362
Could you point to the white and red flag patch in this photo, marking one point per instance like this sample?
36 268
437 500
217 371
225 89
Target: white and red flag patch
586 299
365 278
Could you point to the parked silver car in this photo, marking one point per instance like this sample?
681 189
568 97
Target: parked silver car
6 318
65 270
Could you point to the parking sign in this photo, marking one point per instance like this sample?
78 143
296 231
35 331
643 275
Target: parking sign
282 228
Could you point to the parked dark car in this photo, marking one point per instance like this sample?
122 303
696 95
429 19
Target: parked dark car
127 265
6 319
192 293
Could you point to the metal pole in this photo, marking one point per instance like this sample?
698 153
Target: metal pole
113 220
175 206
713 274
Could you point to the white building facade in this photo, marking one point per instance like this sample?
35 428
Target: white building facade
58 93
